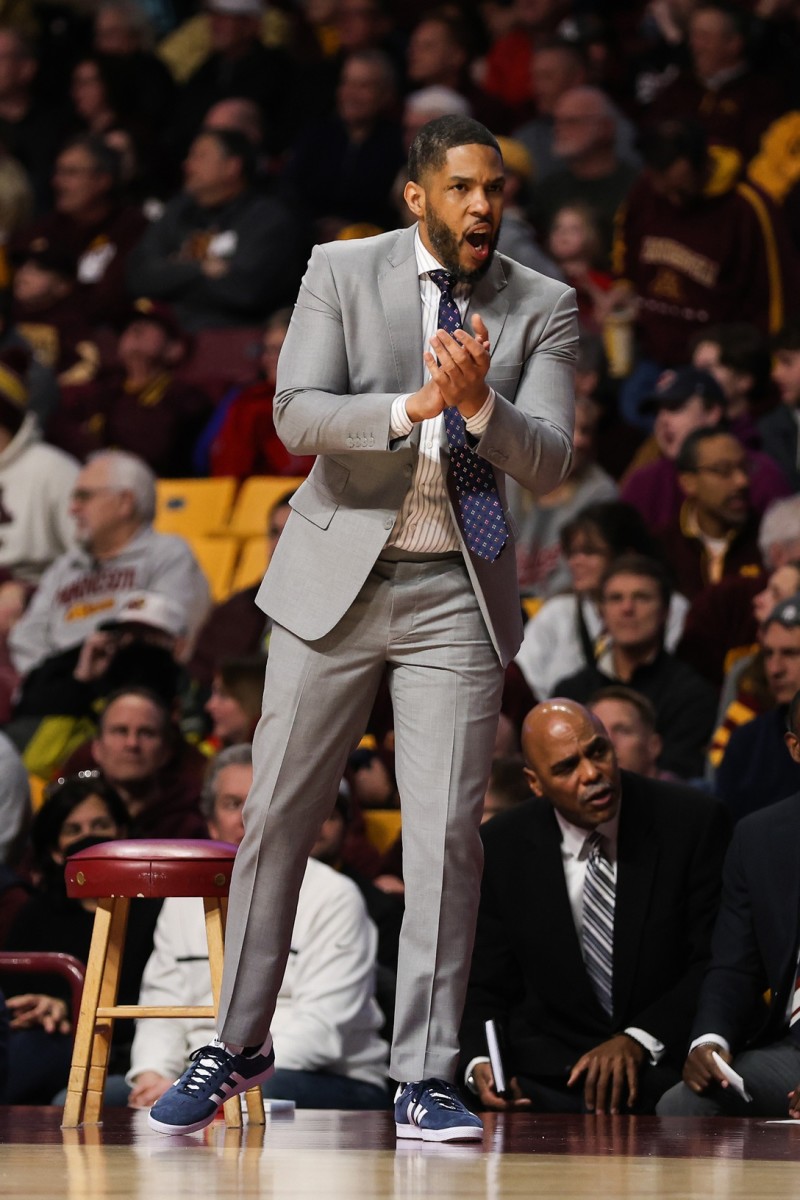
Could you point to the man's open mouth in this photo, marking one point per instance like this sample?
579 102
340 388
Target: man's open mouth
480 241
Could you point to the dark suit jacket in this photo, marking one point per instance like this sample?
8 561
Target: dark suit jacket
527 968
778 430
757 934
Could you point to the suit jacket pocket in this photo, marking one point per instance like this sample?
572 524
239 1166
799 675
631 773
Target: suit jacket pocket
504 378
315 504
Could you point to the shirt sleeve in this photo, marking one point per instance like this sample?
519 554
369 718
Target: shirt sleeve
400 424
477 424
652 1045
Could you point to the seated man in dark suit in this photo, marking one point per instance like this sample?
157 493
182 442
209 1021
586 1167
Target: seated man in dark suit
597 904
754 954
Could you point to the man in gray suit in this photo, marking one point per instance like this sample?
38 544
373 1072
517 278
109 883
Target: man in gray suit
399 554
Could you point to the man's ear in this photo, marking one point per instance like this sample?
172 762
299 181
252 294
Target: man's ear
792 745
533 781
414 195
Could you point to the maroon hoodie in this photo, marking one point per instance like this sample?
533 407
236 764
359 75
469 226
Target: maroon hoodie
725 258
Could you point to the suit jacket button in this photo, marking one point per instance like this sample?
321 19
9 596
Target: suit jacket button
408 469
388 523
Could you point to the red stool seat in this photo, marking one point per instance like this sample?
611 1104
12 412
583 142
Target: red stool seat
113 874
151 868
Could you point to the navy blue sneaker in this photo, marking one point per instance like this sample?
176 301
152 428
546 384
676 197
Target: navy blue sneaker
433 1111
213 1076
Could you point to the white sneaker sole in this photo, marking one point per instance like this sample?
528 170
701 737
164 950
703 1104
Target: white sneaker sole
162 1127
459 1133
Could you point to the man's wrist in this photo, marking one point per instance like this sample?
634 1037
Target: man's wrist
710 1039
469 1074
650 1044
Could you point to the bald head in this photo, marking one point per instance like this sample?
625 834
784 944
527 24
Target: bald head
571 762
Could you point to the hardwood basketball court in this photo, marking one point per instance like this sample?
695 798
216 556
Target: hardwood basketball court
354 1156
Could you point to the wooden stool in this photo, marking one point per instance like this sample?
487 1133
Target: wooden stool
113 873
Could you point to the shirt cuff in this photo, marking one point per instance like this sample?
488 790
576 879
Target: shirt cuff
476 425
473 1062
400 424
710 1037
652 1045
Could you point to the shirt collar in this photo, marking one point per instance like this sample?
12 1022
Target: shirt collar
426 262
574 839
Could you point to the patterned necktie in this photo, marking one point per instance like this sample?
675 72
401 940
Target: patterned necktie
482 521
598 922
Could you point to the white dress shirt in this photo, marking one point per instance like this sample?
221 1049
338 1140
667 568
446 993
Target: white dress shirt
424 524
575 851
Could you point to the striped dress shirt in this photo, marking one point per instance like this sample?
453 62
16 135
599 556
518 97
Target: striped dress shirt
425 524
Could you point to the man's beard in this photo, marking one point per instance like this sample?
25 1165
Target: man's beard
446 246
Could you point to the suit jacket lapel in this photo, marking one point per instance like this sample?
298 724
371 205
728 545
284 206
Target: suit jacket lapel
490 300
557 921
637 856
398 285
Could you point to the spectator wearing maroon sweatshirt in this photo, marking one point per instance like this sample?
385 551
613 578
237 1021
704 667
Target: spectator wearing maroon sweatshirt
694 245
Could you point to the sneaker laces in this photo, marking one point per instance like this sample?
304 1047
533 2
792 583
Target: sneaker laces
443 1093
208 1061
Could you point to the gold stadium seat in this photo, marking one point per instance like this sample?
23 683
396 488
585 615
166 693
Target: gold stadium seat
252 563
217 558
194 507
382 826
257 497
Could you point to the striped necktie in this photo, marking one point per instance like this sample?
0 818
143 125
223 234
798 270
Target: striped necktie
598 922
794 1017
480 509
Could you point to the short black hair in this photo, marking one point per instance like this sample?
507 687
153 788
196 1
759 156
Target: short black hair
687 455
429 149
640 564
61 799
619 524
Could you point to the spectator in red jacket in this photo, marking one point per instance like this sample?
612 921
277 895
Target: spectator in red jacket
246 442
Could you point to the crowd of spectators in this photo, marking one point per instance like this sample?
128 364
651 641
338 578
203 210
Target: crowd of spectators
165 170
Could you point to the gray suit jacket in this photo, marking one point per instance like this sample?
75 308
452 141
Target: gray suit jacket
354 343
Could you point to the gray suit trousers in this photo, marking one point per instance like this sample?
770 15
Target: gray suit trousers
423 620
769 1072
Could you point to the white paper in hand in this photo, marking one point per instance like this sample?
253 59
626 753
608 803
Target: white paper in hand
733 1077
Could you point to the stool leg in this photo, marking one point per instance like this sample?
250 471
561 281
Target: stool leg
216 909
104 1028
84 1034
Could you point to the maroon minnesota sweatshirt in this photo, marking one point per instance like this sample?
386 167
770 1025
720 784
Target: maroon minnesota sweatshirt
725 258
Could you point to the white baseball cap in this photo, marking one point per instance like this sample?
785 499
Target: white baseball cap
151 608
